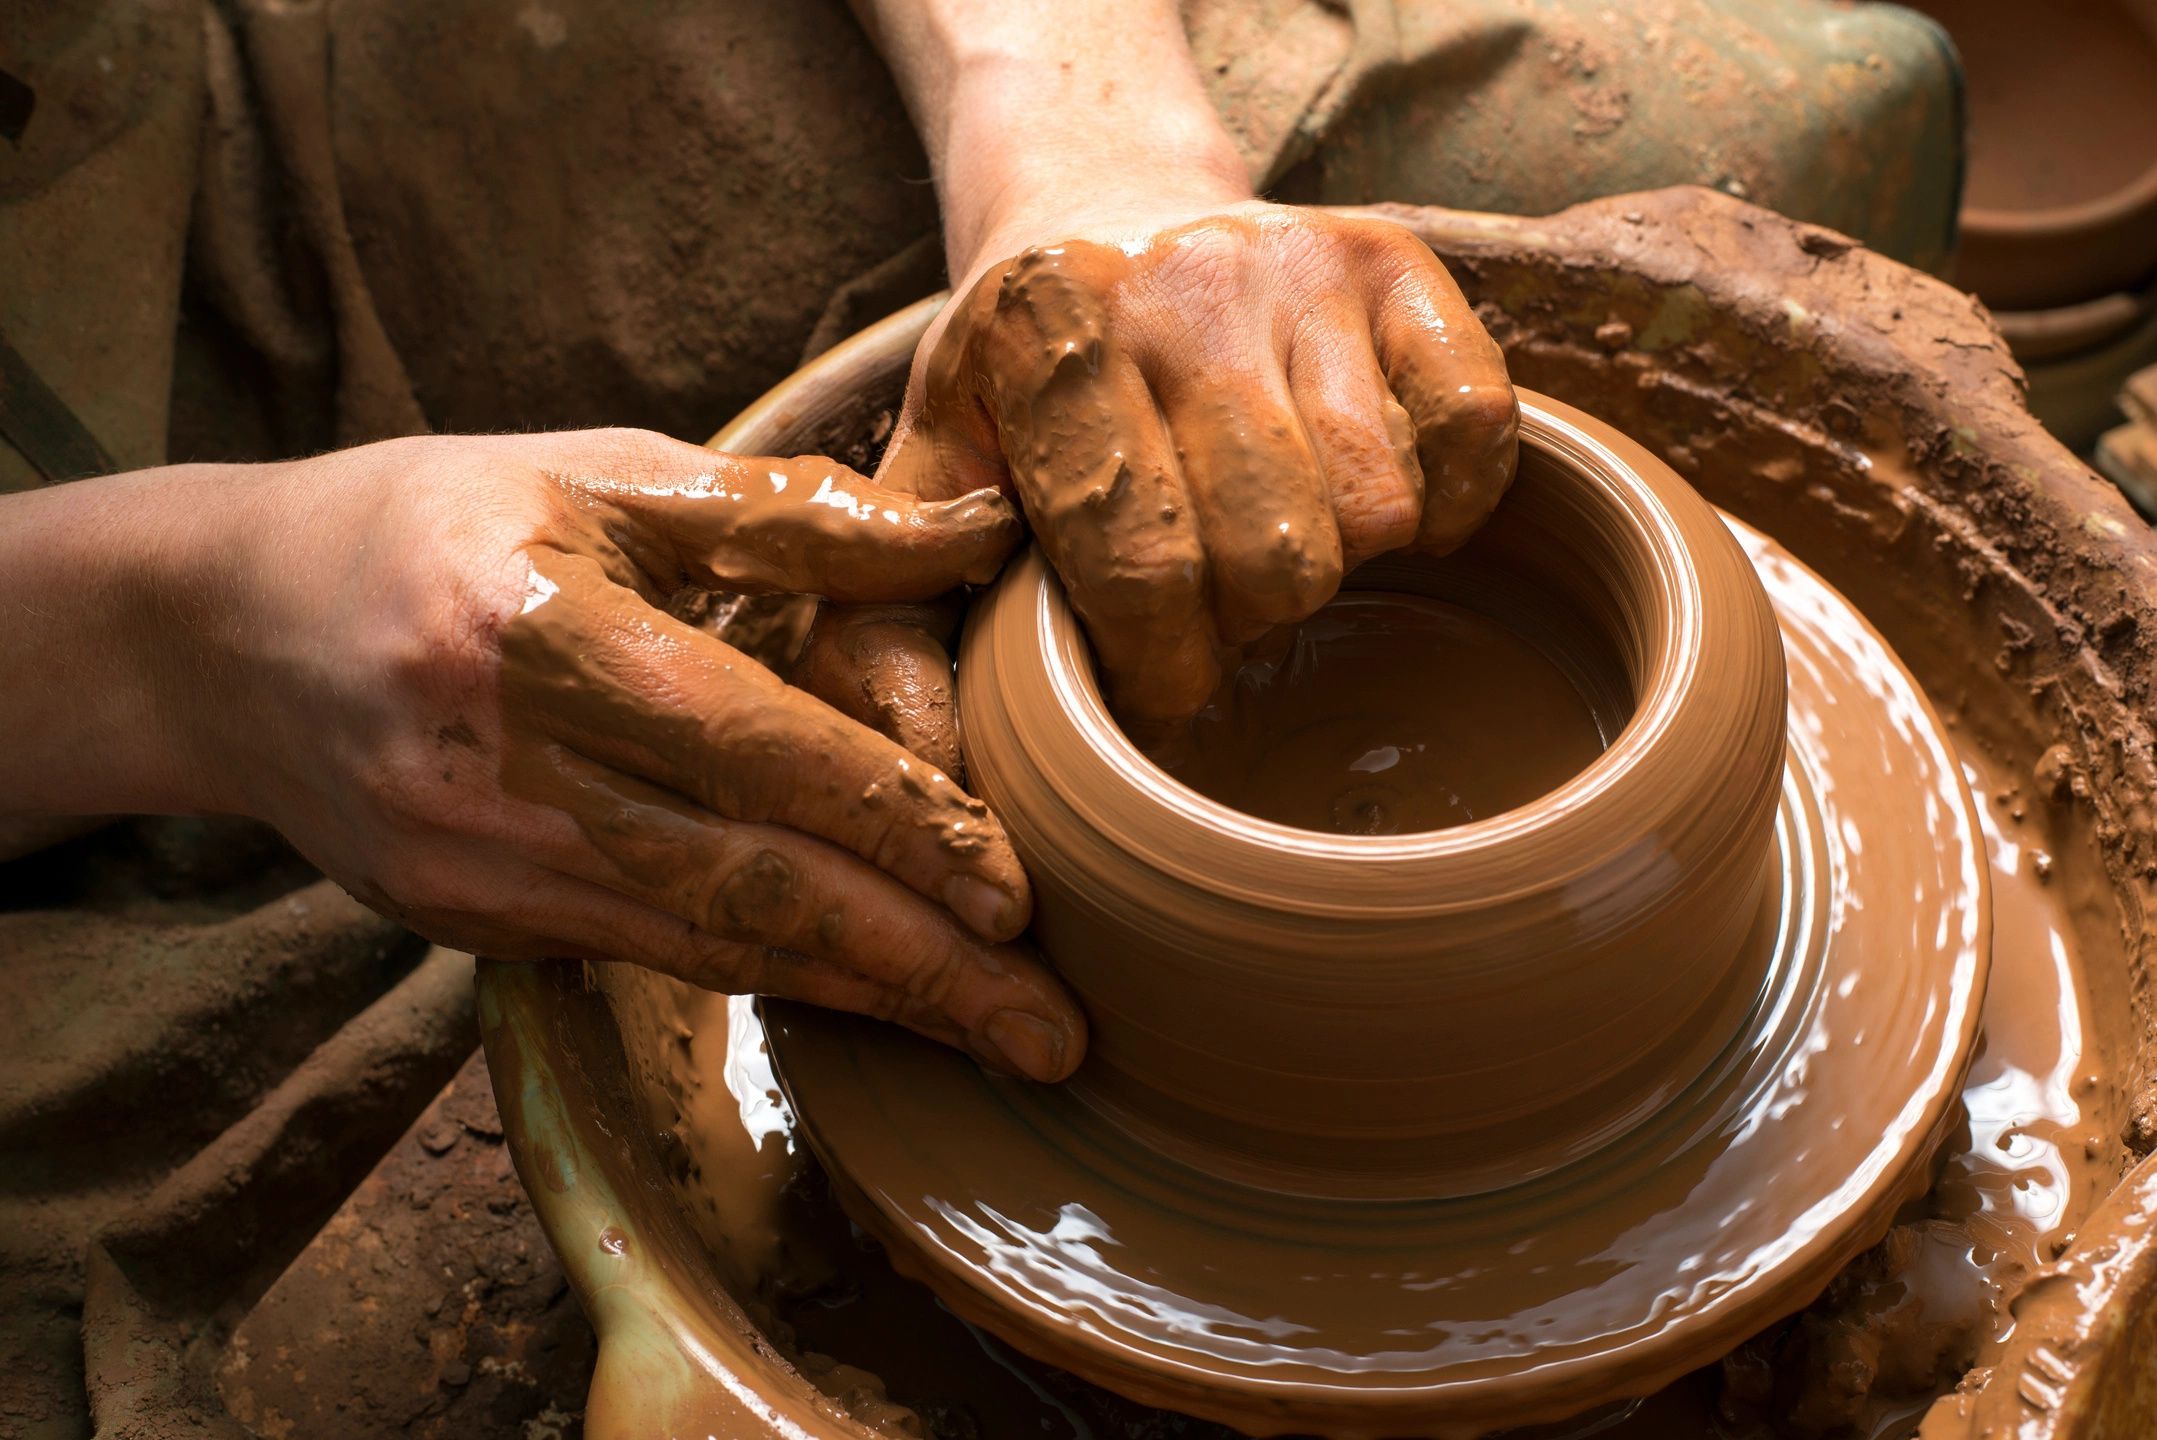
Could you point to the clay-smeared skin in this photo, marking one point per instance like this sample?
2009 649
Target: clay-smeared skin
507 745
1199 472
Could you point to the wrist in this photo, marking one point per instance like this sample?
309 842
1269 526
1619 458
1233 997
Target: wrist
111 585
1036 150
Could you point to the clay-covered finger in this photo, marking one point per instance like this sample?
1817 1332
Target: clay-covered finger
568 916
807 525
1273 550
886 666
592 666
1012 1043
1099 479
1450 377
770 886
1363 440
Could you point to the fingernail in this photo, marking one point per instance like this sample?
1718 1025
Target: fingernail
986 909
1028 1043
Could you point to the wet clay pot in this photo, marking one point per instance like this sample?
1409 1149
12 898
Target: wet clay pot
1435 1013
1416 1134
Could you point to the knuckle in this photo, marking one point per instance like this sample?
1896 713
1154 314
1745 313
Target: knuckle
1385 250
1399 247
417 886
713 962
741 969
758 892
629 452
1147 579
1284 571
1377 515
890 1006
1051 290
1473 412
1490 406
744 762
413 794
932 971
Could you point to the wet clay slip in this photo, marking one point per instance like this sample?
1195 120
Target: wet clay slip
1389 715
1434 1131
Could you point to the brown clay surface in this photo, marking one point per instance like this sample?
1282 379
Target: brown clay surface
2078 1363
1389 715
1760 356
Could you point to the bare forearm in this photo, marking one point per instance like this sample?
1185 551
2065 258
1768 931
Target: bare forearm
104 587
1036 111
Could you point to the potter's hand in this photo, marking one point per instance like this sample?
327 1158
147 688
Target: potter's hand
441 668
1209 407
1208 422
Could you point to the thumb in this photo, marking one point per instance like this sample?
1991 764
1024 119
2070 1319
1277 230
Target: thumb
946 442
805 526
943 454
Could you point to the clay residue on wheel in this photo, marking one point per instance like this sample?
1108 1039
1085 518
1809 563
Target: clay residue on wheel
1871 419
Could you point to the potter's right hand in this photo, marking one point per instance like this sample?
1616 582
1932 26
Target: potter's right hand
1211 408
441 668
1210 413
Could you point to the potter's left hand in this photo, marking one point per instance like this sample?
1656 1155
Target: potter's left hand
1208 421
443 668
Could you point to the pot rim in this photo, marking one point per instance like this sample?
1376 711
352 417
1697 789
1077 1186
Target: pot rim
1672 583
1686 636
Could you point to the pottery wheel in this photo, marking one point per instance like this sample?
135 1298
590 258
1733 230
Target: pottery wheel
1035 1217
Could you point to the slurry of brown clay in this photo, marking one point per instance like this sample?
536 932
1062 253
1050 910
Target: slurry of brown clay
1390 714
1036 1218
2032 1156
2043 1094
